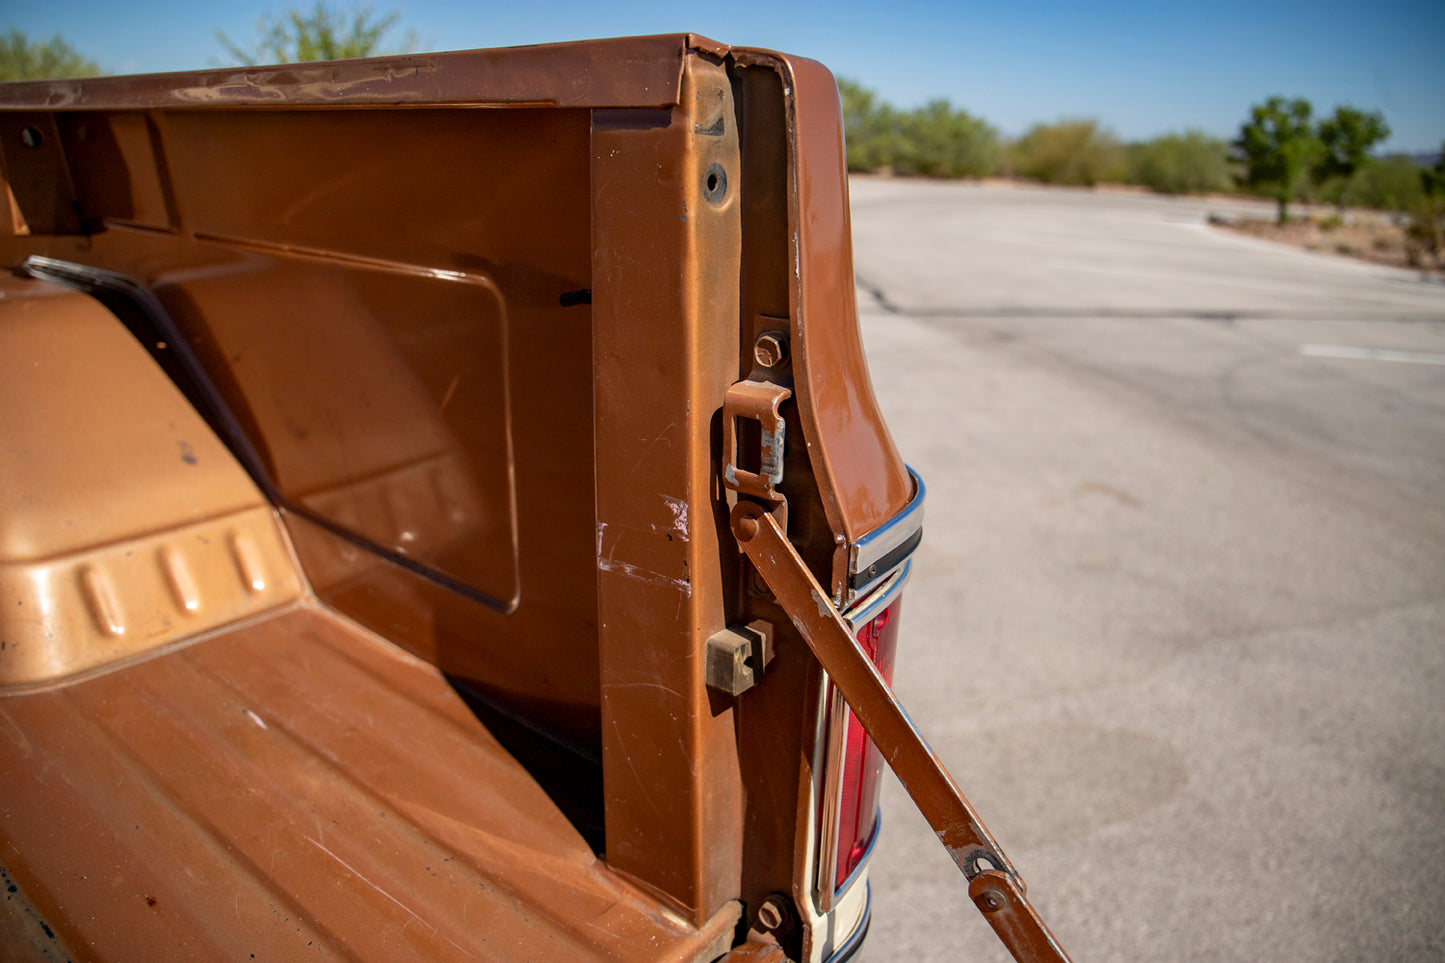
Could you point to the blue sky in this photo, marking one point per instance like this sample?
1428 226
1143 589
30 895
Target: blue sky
1140 68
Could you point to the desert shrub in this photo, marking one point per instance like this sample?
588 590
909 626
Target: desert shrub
869 128
1425 227
1387 184
938 141
24 59
1425 231
935 140
1187 163
1069 152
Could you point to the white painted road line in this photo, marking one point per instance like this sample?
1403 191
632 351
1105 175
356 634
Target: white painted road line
1370 354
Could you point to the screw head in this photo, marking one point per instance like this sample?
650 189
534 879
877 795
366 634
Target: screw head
993 899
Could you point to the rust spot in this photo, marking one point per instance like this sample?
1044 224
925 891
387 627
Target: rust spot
150 901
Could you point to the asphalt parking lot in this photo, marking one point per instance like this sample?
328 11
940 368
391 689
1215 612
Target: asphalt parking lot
1177 624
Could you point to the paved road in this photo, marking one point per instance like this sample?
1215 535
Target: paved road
1178 622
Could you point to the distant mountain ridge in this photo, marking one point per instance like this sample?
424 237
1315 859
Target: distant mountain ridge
1427 158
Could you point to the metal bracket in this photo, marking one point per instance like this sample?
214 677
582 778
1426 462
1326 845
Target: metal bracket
745 470
1001 894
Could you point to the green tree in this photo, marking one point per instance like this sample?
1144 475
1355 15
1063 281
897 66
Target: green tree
25 59
1279 147
1187 163
1346 139
323 33
1069 152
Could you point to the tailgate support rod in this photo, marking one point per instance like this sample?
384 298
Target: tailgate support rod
994 884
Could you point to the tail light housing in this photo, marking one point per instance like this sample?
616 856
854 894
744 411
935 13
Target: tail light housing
862 764
850 765
847 765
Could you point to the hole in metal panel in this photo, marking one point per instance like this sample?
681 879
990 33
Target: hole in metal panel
715 184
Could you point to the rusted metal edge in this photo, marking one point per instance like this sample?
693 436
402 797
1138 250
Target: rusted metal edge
1001 901
622 72
24 930
949 813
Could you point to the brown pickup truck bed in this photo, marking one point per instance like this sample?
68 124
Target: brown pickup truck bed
444 512
201 759
395 825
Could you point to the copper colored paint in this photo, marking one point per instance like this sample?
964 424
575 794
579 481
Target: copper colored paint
412 460
298 784
127 525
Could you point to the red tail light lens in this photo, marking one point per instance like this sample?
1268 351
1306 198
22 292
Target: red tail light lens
862 762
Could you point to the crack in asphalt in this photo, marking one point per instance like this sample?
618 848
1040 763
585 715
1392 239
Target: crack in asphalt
1220 315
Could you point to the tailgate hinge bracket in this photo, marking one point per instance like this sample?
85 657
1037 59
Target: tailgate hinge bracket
753 458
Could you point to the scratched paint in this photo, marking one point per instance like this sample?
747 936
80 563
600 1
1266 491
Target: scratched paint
644 575
678 507
825 607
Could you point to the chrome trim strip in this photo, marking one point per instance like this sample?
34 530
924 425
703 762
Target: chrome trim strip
892 534
860 932
862 866
835 716
868 608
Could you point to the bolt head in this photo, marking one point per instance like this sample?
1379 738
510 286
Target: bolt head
770 350
770 915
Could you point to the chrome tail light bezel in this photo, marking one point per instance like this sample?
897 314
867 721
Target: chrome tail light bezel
880 567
